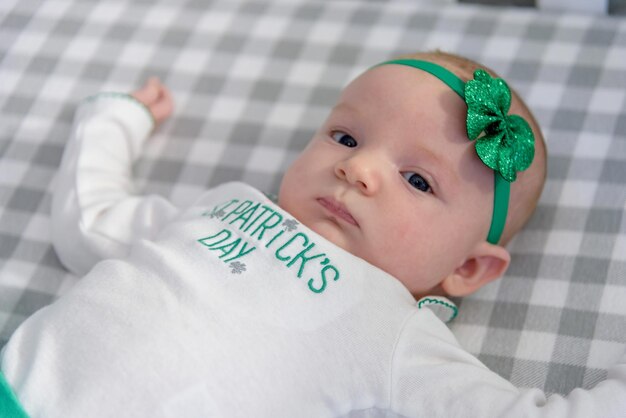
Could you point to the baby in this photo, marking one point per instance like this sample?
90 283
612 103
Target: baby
315 307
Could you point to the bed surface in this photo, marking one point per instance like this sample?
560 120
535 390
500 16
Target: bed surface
253 79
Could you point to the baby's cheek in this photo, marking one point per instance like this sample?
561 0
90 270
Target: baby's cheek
397 232
388 248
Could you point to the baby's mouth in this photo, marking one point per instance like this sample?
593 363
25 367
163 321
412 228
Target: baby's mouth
337 209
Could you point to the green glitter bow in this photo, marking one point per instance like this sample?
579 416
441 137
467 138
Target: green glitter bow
508 144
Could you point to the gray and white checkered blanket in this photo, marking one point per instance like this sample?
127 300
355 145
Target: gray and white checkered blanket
252 81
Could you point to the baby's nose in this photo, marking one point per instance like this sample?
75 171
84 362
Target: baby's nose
359 173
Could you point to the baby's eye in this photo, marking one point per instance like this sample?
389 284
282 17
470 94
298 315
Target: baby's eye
417 181
344 139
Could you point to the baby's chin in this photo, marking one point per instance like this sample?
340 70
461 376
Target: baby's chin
333 233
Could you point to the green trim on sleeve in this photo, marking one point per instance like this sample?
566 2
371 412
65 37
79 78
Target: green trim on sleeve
452 310
123 96
9 405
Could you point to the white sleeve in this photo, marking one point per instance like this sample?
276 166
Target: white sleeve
433 376
95 214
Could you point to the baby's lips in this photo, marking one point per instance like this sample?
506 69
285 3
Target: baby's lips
338 209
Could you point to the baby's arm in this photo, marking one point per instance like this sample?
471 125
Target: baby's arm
437 378
95 212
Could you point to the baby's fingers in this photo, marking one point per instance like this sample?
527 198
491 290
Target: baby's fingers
149 93
163 107
157 98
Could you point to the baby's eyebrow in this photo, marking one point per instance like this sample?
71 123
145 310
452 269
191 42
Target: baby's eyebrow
345 107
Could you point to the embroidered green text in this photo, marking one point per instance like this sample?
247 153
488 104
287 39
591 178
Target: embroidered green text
262 225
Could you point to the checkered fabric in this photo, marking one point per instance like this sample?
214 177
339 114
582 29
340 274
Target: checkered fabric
252 81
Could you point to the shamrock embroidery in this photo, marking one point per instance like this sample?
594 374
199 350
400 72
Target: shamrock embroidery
237 267
217 214
508 144
290 225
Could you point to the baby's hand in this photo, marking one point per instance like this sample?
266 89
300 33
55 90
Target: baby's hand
157 98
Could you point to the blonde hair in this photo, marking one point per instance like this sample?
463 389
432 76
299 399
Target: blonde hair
526 190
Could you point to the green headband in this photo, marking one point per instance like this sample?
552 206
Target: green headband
507 143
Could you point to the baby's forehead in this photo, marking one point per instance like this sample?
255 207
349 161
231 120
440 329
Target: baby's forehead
405 99
394 85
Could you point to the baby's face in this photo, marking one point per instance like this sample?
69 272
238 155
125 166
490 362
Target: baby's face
392 178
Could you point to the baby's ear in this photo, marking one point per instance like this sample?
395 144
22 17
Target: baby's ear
486 263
